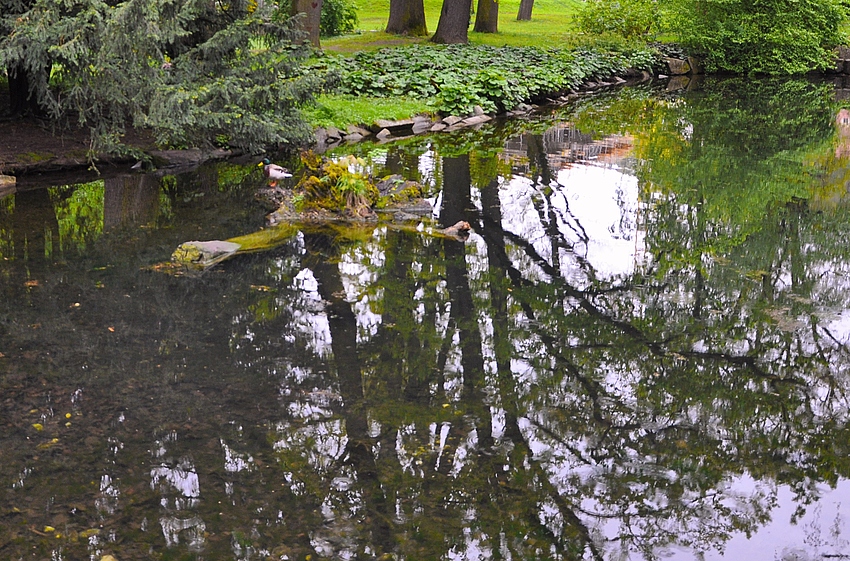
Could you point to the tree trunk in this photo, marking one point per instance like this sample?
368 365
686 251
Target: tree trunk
407 17
487 16
525 7
312 18
453 26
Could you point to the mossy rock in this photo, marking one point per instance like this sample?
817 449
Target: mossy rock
329 190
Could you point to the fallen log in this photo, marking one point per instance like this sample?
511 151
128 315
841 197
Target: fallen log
198 256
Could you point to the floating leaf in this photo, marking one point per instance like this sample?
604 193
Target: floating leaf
50 444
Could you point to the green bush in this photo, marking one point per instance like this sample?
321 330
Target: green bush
762 36
628 18
338 17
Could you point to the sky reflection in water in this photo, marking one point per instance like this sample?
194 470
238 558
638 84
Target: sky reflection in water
640 351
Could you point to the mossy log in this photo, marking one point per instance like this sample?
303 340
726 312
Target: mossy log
198 256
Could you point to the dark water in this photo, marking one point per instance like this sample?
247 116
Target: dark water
640 352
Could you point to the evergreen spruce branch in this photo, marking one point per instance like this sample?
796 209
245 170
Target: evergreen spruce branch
193 73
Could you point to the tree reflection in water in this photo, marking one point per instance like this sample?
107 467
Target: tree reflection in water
616 364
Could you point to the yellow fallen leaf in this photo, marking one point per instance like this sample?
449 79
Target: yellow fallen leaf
38 426
47 445
48 529
261 288
67 415
89 533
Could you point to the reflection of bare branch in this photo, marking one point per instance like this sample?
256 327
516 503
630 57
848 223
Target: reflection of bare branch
564 508
659 348
839 344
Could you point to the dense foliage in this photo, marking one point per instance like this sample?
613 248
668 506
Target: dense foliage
189 70
629 18
766 36
462 76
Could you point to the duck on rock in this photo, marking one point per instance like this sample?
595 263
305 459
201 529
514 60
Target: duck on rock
274 172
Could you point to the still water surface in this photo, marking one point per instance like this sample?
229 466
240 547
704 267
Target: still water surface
640 352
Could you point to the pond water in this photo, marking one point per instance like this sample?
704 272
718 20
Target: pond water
640 351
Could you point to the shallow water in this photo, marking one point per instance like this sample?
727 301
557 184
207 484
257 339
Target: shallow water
641 351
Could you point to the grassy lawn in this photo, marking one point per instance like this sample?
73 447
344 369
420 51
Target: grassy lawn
551 24
343 110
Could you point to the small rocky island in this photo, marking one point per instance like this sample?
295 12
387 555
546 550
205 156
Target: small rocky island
332 190
329 191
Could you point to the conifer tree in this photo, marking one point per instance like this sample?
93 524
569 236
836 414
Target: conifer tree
192 71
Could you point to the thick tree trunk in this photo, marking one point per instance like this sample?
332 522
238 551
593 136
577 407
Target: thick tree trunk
312 19
487 16
453 26
407 17
525 7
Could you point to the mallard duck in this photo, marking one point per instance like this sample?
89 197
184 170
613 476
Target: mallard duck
274 172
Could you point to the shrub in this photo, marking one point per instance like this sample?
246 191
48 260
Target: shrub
628 18
766 36
337 18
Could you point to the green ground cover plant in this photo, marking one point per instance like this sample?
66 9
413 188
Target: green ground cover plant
459 77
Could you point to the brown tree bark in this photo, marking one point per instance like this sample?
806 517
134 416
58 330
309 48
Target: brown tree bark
311 20
524 13
407 17
487 16
453 26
